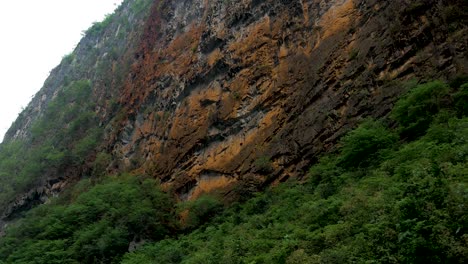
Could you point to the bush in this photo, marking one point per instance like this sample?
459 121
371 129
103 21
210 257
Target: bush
415 111
85 145
100 164
364 145
263 164
98 27
458 81
461 100
201 210
68 59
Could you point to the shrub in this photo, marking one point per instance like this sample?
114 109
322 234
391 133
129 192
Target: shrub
68 59
100 164
98 27
353 54
364 145
263 164
201 210
415 111
85 145
458 81
461 100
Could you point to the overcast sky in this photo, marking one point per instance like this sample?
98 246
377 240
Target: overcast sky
35 35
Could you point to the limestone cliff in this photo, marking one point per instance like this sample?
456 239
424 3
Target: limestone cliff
230 96
250 92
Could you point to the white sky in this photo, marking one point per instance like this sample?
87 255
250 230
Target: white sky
34 36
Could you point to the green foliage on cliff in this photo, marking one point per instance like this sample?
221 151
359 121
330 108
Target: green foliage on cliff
63 137
200 210
366 144
67 116
140 6
414 111
97 27
60 133
90 224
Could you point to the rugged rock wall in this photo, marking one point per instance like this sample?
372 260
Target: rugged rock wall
103 57
230 96
249 92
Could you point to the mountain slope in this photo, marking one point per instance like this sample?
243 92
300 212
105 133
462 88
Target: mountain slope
222 96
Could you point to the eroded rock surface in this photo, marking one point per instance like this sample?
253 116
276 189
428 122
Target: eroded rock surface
250 92
230 96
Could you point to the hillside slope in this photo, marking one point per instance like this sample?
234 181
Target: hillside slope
222 95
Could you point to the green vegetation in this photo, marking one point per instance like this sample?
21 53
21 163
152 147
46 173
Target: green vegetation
71 106
90 224
97 27
69 126
11 163
366 144
68 59
263 164
387 195
200 210
100 164
461 99
353 54
64 136
415 111
140 6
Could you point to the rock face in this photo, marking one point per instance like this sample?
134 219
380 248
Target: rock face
250 92
103 56
230 96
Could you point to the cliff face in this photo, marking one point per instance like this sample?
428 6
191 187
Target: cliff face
233 95
249 92
102 59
